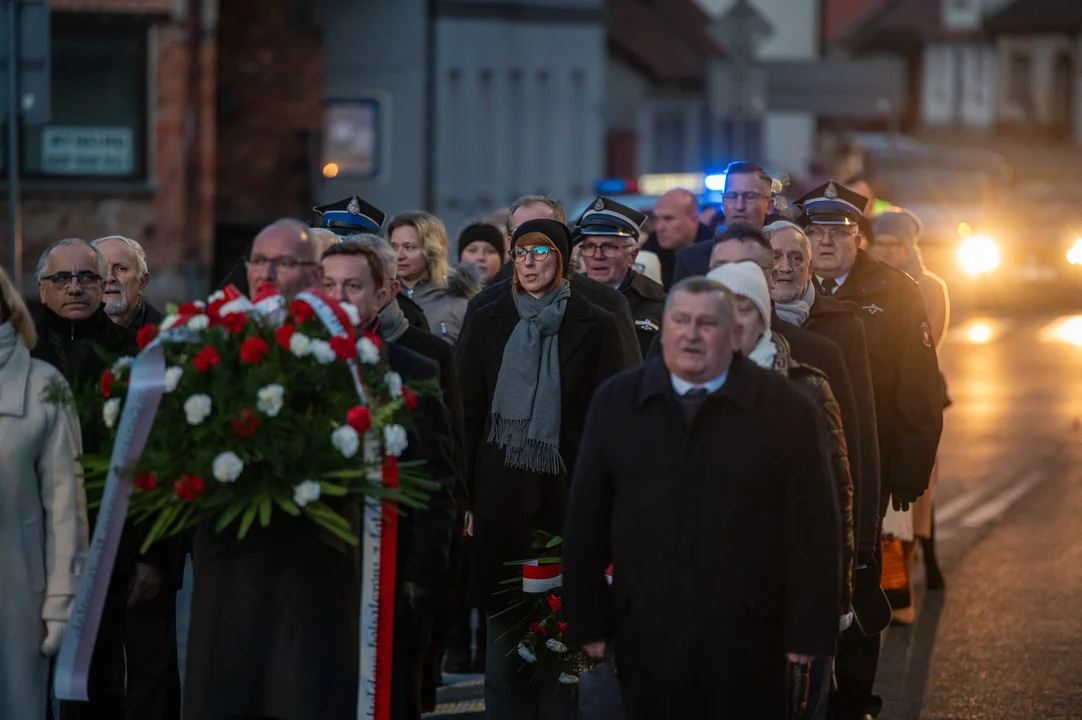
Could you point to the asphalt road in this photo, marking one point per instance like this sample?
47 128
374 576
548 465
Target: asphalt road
1003 640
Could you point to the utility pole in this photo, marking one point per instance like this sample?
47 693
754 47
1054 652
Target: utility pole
15 215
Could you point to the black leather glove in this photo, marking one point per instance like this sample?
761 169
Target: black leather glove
903 497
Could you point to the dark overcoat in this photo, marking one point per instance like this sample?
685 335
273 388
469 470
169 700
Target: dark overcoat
673 269
275 617
509 504
599 294
724 542
905 373
839 321
646 299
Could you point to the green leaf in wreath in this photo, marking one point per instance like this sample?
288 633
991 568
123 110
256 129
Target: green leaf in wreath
246 521
230 514
265 508
288 506
332 490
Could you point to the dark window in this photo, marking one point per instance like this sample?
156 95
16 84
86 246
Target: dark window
99 98
1019 72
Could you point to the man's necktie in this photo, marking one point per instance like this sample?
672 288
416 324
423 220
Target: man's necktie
690 403
829 285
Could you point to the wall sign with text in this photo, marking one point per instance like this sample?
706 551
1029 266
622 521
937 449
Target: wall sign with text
87 150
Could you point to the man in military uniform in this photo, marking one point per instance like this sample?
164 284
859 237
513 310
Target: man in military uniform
906 385
353 216
608 232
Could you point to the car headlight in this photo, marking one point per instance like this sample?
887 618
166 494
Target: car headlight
1074 255
978 255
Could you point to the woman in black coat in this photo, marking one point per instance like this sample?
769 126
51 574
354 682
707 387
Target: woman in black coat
530 363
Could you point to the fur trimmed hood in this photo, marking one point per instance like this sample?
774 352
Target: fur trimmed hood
463 280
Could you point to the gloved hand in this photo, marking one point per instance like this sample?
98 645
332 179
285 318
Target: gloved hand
903 497
415 601
54 633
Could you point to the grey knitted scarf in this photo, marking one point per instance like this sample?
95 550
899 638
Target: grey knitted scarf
526 402
392 322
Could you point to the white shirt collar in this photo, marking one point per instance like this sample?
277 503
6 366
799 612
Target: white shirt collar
840 280
682 386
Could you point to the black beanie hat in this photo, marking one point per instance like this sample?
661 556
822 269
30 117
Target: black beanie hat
482 232
554 230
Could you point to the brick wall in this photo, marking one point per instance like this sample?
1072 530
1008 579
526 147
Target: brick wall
270 84
157 215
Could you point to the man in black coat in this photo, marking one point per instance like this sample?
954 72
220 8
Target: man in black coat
906 382
731 568
72 328
677 230
609 232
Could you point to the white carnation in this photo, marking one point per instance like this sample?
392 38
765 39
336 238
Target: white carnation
394 384
123 364
169 321
199 322
322 351
394 439
269 399
227 467
306 492
556 646
216 296
568 679
197 408
110 412
352 313
526 653
346 440
300 344
172 378
367 351
199 304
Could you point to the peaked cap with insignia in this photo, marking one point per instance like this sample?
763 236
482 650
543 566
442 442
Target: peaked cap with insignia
608 217
832 204
350 216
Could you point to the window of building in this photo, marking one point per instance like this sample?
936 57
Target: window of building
353 138
1019 71
97 128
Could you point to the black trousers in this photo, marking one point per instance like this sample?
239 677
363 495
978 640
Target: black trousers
105 680
150 640
855 666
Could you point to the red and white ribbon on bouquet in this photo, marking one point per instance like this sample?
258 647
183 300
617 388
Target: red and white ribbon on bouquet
538 577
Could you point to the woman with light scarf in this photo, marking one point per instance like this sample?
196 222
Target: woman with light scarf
528 367
771 352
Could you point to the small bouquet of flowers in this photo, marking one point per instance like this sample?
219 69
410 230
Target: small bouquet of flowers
264 409
544 643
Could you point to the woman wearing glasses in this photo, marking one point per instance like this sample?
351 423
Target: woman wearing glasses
528 371
43 523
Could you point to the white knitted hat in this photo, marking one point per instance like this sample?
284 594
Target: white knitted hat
747 279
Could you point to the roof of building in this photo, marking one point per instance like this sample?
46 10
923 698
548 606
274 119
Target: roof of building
895 23
670 45
1036 16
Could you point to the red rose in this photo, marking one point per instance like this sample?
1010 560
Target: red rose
214 311
538 630
188 310
554 603
360 419
253 350
207 356
146 481
301 311
106 382
562 626
188 487
343 347
410 398
283 334
245 423
146 334
376 339
234 322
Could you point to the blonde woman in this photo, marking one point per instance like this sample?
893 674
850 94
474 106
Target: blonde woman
43 521
419 241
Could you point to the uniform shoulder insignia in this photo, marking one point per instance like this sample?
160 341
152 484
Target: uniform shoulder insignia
353 208
647 325
926 334
831 192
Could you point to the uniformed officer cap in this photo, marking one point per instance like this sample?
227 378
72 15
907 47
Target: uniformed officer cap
608 217
832 204
351 216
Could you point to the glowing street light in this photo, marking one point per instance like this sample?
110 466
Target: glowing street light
1074 255
330 170
978 255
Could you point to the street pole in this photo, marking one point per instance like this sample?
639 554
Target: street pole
15 228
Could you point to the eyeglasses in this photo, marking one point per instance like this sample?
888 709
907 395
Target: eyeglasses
749 197
838 231
282 263
608 250
540 253
62 279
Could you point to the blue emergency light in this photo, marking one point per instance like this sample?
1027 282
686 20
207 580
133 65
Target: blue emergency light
715 183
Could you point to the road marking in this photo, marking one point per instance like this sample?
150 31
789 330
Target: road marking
999 504
949 510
